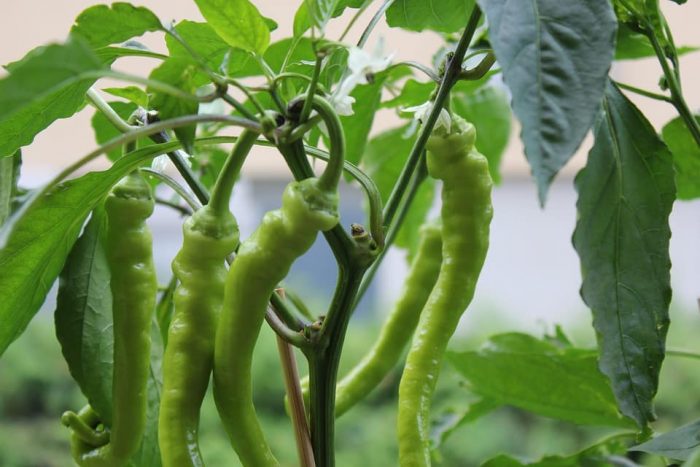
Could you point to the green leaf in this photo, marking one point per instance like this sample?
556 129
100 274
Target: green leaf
201 38
36 240
626 193
149 451
302 22
686 157
535 375
181 74
451 420
129 49
632 45
597 455
83 316
488 109
102 25
412 93
693 460
555 58
47 84
384 158
678 444
105 130
437 15
237 22
358 125
131 93
319 12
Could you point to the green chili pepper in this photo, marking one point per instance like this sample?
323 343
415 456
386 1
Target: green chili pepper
210 235
263 260
134 286
397 329
466 215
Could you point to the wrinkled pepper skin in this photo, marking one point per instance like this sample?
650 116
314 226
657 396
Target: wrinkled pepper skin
263 261
466 216
134 286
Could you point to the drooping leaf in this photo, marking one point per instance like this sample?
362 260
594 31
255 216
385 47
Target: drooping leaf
47 84
302 19
179 73
238 22
622 238
599 454
487 108
678 444
105 131
555 58
131 93
319 12
686 157
36 240
535 375
83 316
384 158
437 15
102 25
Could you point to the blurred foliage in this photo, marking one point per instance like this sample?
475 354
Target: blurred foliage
35 388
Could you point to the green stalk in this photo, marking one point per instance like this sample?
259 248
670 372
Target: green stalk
452 73
674 86
221 193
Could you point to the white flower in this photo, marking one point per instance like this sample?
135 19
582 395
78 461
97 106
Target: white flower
362 66
160 163
421 113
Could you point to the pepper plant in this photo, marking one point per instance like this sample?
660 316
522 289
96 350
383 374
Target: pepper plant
314 96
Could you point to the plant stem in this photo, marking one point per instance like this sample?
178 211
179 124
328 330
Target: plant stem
674 86
308 102
683 353
175 186
107 110
416 182
451 75
373 23
644 92
221 193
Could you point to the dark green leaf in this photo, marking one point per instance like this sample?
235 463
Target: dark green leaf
487 108
437 15
36 240
555 58
384 158
131 93
678 444
238 22
448 422
179 73
47 84
522 371
102 25
622 237
686 157
84 316
105 130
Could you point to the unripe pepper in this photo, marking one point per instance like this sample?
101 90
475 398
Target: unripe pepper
209 236
134 286
466 215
